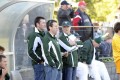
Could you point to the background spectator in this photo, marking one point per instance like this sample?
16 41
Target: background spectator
82 19
64 13
116 47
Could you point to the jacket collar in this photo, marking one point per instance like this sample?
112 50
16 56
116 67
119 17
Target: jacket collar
65 34
42 33
36 30
52 36
117 35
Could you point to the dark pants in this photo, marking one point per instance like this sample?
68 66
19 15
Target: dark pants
69 73
39 72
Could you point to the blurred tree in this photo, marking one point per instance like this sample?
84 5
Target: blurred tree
102 10
98 10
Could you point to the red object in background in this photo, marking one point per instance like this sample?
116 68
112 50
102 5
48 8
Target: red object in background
75 22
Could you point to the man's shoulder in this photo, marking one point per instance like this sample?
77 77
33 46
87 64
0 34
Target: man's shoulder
60 9
88 42
61 35
32 34
46 37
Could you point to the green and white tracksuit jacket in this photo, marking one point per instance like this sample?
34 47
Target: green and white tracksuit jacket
72 59
35 46
52 51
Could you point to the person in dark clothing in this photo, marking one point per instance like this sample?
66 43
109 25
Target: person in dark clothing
52 52
72 11
70 62
82 19
97 69
35 50
64 13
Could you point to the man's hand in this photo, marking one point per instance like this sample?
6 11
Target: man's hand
4 71
72 42
66 54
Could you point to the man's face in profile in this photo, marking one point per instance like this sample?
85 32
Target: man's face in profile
3 63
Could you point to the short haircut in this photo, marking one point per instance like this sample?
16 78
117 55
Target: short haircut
2 48
50 24
2 56
37 20
117 27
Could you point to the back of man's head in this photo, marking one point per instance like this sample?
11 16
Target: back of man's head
2 49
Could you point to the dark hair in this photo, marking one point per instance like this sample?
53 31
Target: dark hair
50 24
37 20
2 48
117 27
2 56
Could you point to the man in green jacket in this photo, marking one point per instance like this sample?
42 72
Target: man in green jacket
35 47
69 62
52 52
97 69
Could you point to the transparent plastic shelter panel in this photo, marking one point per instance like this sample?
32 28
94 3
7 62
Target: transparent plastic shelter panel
13 30
10 18
3 2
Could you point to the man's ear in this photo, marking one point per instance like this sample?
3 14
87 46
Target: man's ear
37 24
50 27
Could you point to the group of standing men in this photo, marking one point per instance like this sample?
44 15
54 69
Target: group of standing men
44 50
47 51
56 58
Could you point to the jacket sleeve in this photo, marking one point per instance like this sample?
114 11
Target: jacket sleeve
32 46
84 52
76 20
47 55
65 46
79 42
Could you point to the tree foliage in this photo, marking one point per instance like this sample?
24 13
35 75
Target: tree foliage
99 10
102 10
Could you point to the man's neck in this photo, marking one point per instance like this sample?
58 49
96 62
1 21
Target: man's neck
51 34
82 10
67 33
39 29
118 34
